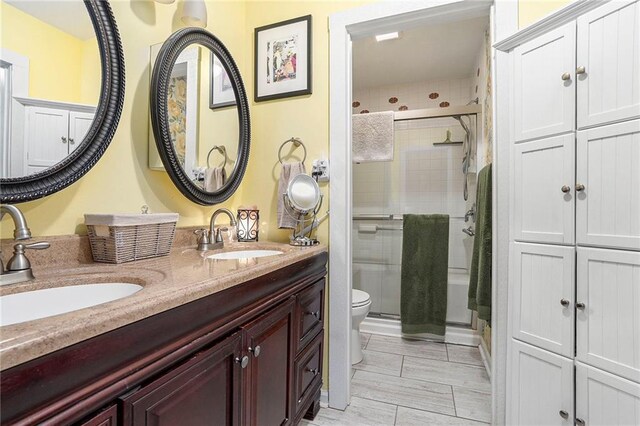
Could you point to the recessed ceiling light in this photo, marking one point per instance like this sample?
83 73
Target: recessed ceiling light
387 36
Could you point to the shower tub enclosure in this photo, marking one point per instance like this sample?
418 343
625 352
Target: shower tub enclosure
426 177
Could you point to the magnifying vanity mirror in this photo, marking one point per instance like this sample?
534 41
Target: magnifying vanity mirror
61 93
303 198
200 116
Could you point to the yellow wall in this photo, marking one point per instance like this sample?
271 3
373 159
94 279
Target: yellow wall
55 57
121 181
530 11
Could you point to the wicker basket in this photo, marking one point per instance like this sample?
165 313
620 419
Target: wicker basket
125 238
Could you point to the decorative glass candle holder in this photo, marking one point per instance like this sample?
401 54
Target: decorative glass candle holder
248 221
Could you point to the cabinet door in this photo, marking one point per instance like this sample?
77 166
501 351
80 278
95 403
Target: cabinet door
605 399
269 340
544 90
542 296
206 390
79 125
608 327
541 387
609 51
46 136
608 166
107 417
544 170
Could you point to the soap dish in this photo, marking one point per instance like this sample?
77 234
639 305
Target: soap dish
120 238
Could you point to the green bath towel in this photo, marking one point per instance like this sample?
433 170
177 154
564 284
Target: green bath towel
425 265
480 274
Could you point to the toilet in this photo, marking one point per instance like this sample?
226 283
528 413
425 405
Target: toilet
360 304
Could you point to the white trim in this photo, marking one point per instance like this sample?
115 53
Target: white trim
486 357
343 26
44 103
19 87
324 398
392 327
556 19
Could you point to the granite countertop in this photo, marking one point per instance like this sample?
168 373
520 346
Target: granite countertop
183 276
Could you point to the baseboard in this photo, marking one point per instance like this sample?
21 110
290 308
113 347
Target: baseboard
391 327
324 398
486 357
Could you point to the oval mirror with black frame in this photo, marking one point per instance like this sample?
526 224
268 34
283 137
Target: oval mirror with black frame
200 116
57 121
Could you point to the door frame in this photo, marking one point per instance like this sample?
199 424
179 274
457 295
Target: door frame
366 21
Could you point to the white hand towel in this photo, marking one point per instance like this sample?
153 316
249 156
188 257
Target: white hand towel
214 178
373 137
286 218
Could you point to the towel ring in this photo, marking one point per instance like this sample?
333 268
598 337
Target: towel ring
222 150
296 142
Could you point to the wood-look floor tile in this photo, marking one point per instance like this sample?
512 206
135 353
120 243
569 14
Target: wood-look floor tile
379 362
464 354
417 348
359 413
411 417
449 373
364 339
472 404
401 391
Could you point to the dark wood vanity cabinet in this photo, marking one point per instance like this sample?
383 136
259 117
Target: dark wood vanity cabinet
253 358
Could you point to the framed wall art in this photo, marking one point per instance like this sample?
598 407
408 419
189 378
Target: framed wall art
283 59
221 88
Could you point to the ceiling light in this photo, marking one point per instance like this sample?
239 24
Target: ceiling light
165 1
194 13
387 36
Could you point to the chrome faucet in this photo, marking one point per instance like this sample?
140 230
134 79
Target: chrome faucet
470 213
18 267
211 239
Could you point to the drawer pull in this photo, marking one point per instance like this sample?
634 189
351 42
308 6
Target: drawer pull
315 314
579 187
580 422
565 188
564 302
313 371
581 306
243 362
581 70
564 414
566 76
255 351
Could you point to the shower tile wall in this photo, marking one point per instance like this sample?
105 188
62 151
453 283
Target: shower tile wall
422 179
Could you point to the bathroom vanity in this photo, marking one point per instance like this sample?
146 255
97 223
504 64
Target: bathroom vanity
205 342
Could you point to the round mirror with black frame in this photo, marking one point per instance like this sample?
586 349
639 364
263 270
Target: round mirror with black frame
200 116
21 178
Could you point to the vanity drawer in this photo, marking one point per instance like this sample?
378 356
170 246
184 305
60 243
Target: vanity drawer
309 314
308 370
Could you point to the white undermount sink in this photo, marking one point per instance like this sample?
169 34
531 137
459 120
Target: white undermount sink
31 305
244 254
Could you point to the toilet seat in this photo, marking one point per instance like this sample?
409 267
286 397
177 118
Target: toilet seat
359 298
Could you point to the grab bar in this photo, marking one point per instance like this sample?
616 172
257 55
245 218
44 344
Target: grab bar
389 217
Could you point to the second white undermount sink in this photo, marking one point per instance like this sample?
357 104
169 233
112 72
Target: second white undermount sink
36 304
244 254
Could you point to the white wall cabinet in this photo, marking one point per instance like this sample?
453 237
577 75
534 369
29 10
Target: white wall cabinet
608 322
541 387
608 167
544 205
608 65
605 399
574 262
542 297
544 98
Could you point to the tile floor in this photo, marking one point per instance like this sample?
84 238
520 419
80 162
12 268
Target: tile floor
414 383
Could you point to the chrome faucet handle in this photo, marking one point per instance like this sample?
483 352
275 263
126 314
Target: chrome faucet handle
19 261
204 239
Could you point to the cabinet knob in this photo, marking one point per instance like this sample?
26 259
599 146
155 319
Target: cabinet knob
580 70
580 422
565 188
579 187
563 414
72 141
243 362
63 139
315 314
566 76
564 302
255 351
580 306
313 371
